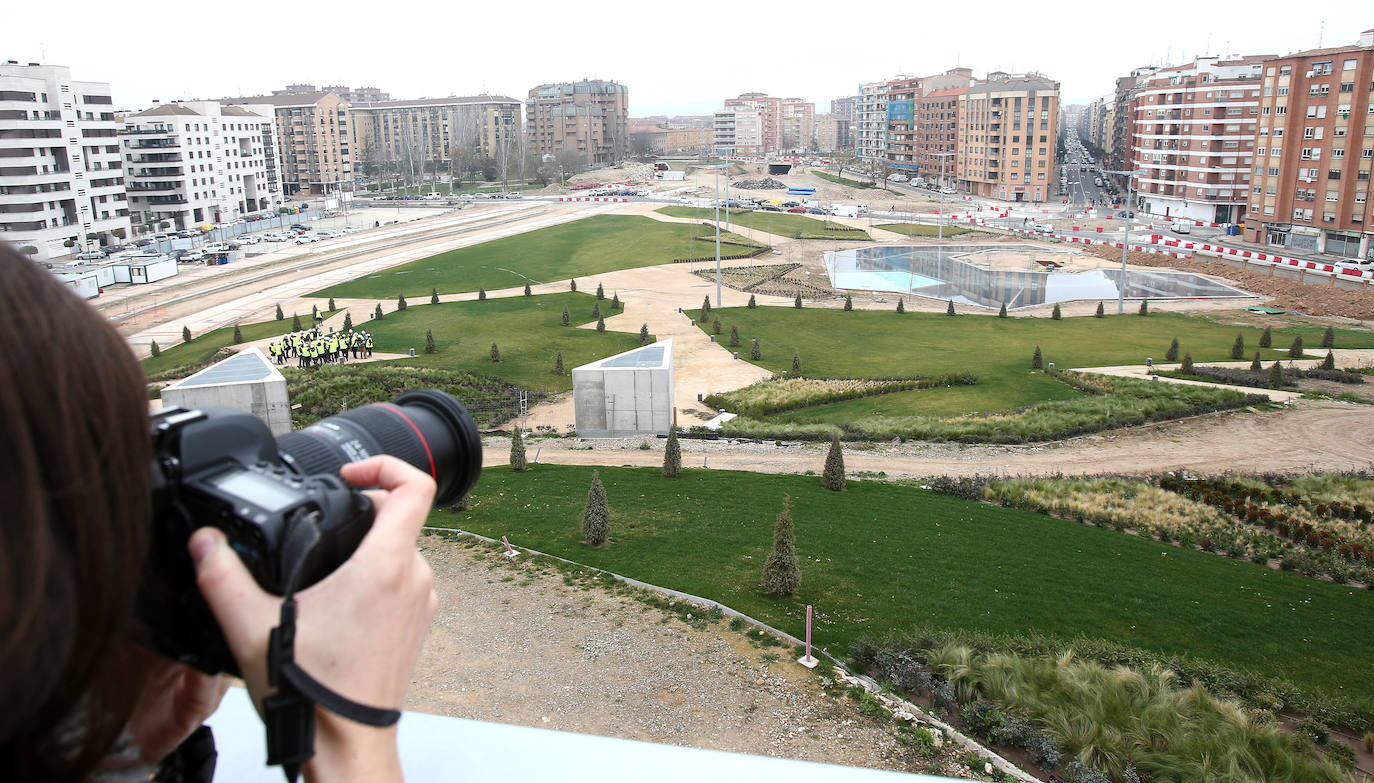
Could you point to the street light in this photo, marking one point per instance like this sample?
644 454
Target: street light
1126 235
717 169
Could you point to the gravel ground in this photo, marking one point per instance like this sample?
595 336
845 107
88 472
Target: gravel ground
518 643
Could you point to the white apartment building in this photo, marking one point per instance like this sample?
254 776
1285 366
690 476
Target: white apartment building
1194 137
870 130
200 162
738 130
61 183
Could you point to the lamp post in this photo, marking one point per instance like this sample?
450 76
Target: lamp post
1126 235
940 229
727 212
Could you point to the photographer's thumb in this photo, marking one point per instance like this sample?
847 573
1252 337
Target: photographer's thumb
246 613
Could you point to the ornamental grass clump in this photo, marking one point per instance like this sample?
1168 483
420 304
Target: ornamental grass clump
781 574
596 515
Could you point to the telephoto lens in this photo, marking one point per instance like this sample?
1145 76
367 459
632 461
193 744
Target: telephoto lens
424 427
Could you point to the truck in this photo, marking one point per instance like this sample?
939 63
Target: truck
848 210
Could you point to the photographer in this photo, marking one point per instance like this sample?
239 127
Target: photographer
83 697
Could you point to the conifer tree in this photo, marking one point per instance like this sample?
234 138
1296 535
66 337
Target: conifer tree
715 325
1329 363
1329 338
796 364
672 455
755 353
734 336
296 322
1295 350
901 305
705 309
238 335
332 308
1255 365
154 350
378 314
186 334
1186 367
1036 361
558 364
1002 313
1057 314
430 347
950 309
781 575
1238 347
1276 376
1100 313
401 302
1172 354
596 516
615 302
1144 306
600 292
1267 338
348 321
567 317
528 292
601 324
517 450
643 334
481 294
833 475
314 314
495 354
797 302
596 309
434 296
572 284
752 304
848 302
280 315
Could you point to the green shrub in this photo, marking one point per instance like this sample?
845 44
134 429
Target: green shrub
430 347
705 309
601 324
186 334
1295 350
1255 365
1002 313
1369 742
596 515
615 302
567 317
1342 754
1055 315
734 336
572 285
280 316
1037 362
558 364
495 354
1267 338
596 310
1276 376
781 574
797 303
752 304
715 325
796 364
481 294
1329 363
377 313
433 298
950 309
833 474
517 450
1187 366
1238 347
238 335
848 302
1171 355
600 292
1314 730
332 308
643 334
296 320
672 455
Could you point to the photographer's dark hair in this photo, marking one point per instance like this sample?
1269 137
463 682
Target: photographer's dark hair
74 462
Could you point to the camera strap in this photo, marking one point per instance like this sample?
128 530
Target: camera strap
290 712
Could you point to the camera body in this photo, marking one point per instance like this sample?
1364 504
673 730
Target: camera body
221 468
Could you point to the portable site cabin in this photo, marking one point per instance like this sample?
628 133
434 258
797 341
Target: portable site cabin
627 394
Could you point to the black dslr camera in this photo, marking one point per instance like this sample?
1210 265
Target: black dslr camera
222 468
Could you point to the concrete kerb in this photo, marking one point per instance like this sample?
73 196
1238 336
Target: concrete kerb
900 708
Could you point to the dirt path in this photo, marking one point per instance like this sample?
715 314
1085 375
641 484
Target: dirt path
1311 435
516 644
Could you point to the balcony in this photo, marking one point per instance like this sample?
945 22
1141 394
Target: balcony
162 172
152 187
154 144
156 157
157 201
148 130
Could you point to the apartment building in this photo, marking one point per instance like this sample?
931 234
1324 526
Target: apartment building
844 108
1123 128
197 162
833 133
796 125
589 118
420 135
870 133
1007 128
738 130
937 132
1313 151
61 177
1194 138
900 148
313 140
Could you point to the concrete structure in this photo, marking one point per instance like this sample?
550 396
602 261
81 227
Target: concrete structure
197 163
61 175
627 394
246 381
1194 136
1313 151
313 140
587 119
427 134
1008 128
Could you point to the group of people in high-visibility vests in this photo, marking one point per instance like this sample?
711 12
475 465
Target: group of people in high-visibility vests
311 348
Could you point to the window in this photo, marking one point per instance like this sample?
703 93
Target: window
1347 86
1332 195
1260 151
1338 132
1348 65
1333 174
1283 91
1326 89
1309 132
1280 111
1338 152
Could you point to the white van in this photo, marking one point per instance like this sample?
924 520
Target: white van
1181 227
848 210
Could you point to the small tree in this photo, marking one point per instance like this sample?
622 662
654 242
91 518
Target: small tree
434 296
796 363
755 353
1267 338
154 350
481 294
517 450
558 364
672 455
901 305
401 303
1329 338
332 308
1144 306
296 321
615 302
238 334
848 302
1171 355
1056 314
348 321
833 475
430 347
705 309
280 316
643 334
495 354
1036 361
1100 313
1238 347
186 334
600 292
1255 365
1329 363
797 302
528 292
596 310
781 575
950 309
715 325
377 313
601 324
1295 350
1276 376
734 336
1002 313
596 516
752 304
1186 367
572 284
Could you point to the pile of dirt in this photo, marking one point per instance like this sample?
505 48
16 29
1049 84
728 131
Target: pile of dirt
1312 299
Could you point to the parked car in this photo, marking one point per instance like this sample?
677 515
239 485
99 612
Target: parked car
798 210
770 208
190 256
816 211
1181 227
188 233
328 235
248 239
216 247
110 250
351 229
305 239
300 227
1044 228
142 242
512 194
90 255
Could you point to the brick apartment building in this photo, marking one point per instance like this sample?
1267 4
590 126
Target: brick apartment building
1194 138
589 118
421 134
1313 152
1007 128
313 140
937 133
759 124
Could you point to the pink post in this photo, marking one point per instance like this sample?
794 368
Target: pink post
510 550
806 660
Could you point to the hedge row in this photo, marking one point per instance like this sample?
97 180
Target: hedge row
734 401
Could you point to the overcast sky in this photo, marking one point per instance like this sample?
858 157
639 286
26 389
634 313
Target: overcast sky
675 58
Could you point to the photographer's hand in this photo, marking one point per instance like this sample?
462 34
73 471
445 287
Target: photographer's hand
359 630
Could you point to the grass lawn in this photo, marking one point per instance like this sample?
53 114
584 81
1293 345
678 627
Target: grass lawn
202 347
590 246
528 331
849 183
997 350
922 230
884 557
783 224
